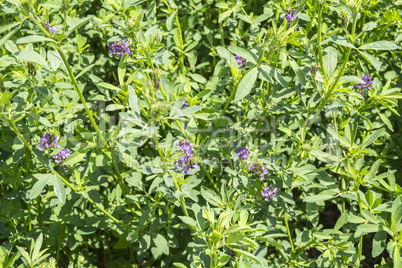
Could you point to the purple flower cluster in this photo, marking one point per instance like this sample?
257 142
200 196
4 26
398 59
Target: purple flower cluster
259 169
31 68
185 104
231 253
290 16
61 156
243 154
119 48
241 61
49 141
269 193
51 29
314 69
367 84
187 158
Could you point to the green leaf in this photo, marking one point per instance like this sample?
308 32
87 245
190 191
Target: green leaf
246 84
133 102
74 158
380 45
341 221
179 265
33 39
340 138
373 60
330 60
114 107
248 255
234 238
86 69
8 36
386 121
169 21
370 139
189 221
304 16
298 71
30 55
317 198
44 159
368 228
37 247
121 71
397 257
223 16
38 186
243 53
9 26
379 242
276 74
225 55
199 78
161 243
373 170
189 110
211 197
54 59
177 38
41 120
76 24
340 40
59 189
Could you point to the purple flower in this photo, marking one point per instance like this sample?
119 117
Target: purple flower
314 69
31 68
259 169
243 154
269 193
231 253
241 61
187 158
367 86
48 140
185 104
51 30
119 48
61 156
290 16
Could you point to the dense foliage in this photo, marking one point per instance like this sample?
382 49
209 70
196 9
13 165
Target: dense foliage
200 133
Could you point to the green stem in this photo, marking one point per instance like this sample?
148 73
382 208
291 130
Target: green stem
201 165
122 187
92 202
181 198
19 135
78 90
232 94
69 184
288 230
319 38
334 84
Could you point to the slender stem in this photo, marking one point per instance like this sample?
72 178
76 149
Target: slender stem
201 165
232 94
122 186
19 135
288 230
69 184
360 249
177 186
334 84
66 182
320 5
72 78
